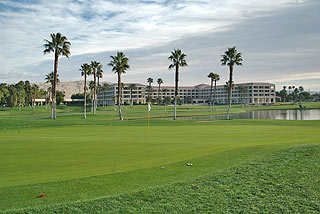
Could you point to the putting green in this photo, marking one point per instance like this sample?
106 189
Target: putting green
50 154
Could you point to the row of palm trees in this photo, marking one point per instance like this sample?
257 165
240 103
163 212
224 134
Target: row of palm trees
213 77
149 88
300 88
95 69
119 63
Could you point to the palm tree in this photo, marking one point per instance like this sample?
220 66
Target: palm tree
150 81
178 60
131 87
230 58
211 86
99 76
301 89
289 88
91 87
95 66
119 64
61 47
159 81
50 79
213 77
85 71
216 78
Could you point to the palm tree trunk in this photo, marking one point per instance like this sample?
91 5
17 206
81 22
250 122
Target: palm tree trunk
97 94
119 95
176 92
230 93
94 93
158 96
214 96
85 97
35 95
131 100
211 94
55 84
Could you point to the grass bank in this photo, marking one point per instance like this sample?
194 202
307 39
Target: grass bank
286 181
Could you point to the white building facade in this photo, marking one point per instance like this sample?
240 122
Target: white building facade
255 93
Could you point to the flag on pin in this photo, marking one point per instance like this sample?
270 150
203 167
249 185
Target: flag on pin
149 107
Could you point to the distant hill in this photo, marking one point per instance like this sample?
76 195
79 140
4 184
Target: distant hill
69 87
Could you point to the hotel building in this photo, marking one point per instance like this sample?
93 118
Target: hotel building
254 92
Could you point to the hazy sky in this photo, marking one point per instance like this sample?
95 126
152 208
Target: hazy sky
279 39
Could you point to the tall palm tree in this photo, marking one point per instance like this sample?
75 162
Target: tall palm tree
285 93
85 71
119 64
131 87
216 78
99 76
95 66
301 89
61 47
178 59
50 79
213 77
150 81
231 58
91 87
159 81
289 88
211 86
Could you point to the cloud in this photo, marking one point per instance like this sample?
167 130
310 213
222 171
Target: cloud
295 77
274 42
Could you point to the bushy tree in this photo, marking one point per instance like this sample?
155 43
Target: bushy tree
60 97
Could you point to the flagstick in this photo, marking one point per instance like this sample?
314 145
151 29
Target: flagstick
149 108
148 123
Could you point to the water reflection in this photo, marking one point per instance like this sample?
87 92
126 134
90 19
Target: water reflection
313 114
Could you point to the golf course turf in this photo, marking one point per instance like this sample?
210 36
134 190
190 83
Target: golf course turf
102 164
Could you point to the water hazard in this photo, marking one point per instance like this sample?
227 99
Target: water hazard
309 114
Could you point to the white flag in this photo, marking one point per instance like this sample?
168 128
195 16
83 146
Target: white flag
149 107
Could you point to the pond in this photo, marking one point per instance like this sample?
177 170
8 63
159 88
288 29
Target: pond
309 114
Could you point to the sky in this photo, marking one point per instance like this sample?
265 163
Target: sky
279 39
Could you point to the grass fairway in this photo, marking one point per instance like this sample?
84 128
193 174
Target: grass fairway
286 181
72 159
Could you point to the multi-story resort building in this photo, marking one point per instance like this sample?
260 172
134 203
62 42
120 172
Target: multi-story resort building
254 92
